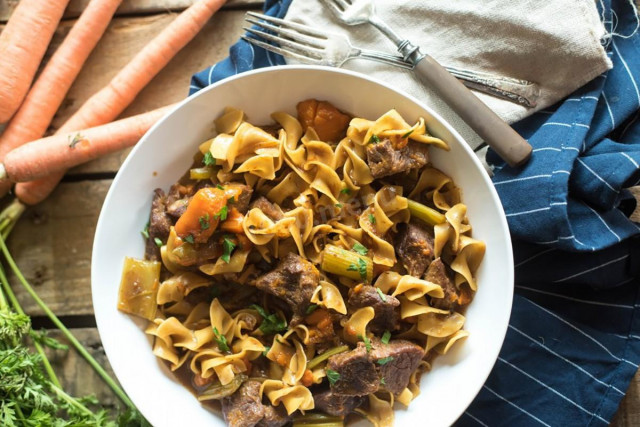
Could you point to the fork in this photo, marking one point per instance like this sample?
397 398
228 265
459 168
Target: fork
507 143
309 45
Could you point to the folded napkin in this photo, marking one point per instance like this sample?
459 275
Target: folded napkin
573 342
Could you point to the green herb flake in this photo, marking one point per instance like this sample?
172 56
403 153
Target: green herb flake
362 268
372 219
227 248
360 248
339 205
383 297
352 267
77 138
374 139
204 221
366 341
220 187
385 360
158 242
145 232
221 340
271 323
332 376
345 191
189 239
386 337
382 381
222 214
311 308
208 159
266 350
231 200
406 135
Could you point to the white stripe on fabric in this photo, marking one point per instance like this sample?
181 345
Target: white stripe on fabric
522 179
211 73
573 99
590 97
528 212
604 222
613 121
546 149
597 176
626 67
467 413
630 159
595 341
551 389
582 125
613 261
534 256
572 148
516 406
584 301
559 356
194 87
557 124
559 204
562 171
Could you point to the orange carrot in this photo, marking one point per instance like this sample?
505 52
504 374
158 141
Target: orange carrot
110 101
61 151
23 43
205 210
233 224
34 116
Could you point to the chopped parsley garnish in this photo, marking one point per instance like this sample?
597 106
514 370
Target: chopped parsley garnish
339 205
271 323
406 135
227 248
204 221
222 214
383 297
374 139
332 376
231 200
189 239
158 242
266 350
372 219
220 187
386 337
385 360
311 308
76 139
359 248
208 159
145 232
345 191
366 341
352 267
382 381
362 268
221 340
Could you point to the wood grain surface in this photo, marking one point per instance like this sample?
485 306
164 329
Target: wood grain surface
52 243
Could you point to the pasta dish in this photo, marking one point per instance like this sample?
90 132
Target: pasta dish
306 271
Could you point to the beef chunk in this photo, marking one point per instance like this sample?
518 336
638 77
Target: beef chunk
386 315
440 275
269 209
395 362
385 160
274 416
244 408
358 376
177 200
336 404
242 202
159 225
293 280
414 247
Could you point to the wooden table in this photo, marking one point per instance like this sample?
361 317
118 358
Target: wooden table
52 242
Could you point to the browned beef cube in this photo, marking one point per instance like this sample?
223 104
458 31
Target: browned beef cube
439 274
274 416
242 204
414 247
358 376
386 313
269 209
395 362
159 225
244 407
384 160
336 404
293 280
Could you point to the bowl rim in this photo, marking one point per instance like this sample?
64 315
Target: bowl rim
500 332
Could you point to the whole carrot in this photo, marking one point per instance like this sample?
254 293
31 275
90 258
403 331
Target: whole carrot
23 43
39 158
34 116
110 101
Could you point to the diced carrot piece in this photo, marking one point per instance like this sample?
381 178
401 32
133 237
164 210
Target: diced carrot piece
202 215
233 224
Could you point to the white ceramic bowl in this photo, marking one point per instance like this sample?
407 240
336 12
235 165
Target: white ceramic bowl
165 152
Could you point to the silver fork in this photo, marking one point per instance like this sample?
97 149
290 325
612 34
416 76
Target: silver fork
309 45
495 132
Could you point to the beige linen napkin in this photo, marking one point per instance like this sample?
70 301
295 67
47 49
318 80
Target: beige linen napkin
555 43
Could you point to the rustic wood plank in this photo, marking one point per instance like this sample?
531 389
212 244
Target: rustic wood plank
131 7
628 414
52 245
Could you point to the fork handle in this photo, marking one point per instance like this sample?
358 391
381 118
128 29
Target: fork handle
507 143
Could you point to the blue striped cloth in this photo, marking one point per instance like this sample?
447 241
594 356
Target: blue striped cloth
573 342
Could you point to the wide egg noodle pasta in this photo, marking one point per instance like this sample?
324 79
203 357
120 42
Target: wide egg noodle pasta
379 412
468 260
229 121
439 187
328 295
356 325
443 344
409 286
293 398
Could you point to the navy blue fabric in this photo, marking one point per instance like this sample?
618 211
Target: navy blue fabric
573 342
